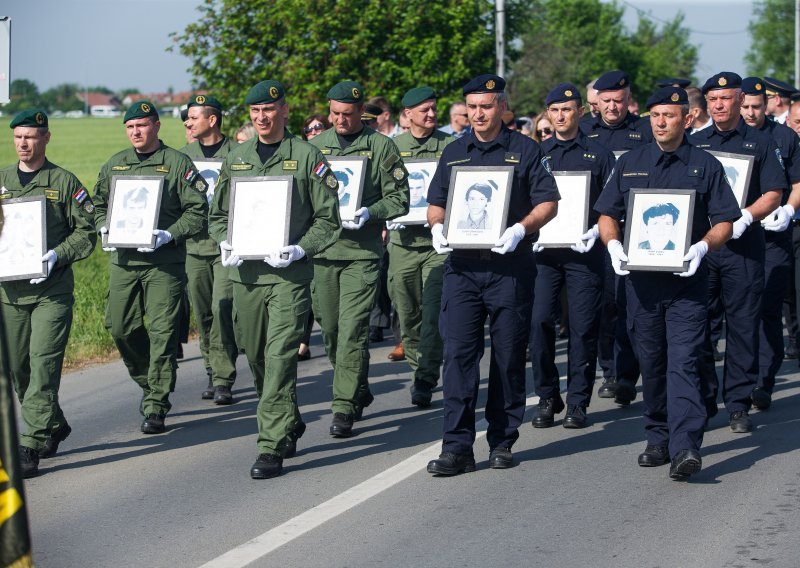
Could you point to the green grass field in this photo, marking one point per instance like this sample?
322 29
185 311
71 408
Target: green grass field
82 145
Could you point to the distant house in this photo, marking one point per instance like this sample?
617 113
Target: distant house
100 104
166 103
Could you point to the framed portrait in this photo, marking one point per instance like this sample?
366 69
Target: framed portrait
23 241
658 230
258 216
738 169
477 205
420 172
133 207
350 172
209 169
570 222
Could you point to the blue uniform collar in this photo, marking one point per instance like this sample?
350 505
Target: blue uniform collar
627 122
682 153
502 140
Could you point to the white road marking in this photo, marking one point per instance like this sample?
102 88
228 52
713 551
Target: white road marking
274 538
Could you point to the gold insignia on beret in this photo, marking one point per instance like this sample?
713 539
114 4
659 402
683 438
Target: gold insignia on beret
758 87
722 81
145 107
490 84
622 82
39 118
356 94
674 98
398 174
567 93
273 92
200 99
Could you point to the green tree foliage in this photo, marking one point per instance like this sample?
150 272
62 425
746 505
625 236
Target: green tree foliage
578 40
309 45
772 40
62 97
24 94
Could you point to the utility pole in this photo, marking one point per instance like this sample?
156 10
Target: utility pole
500 36
797 43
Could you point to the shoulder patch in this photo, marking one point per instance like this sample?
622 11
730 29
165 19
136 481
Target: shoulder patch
399 174
162 169
80 195
51 194
546 164
512 157
290 164
120 168
201 184
241 167
189 176
330 181
389 161
89 207
321 169
780 159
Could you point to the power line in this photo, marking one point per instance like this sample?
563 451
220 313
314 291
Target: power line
648 15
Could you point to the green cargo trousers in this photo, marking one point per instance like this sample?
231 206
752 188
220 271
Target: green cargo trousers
415 286
271 318
343 293
37 337
211 294
150 293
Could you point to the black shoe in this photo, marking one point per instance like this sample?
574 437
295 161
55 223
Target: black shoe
761 398
342 425
28 462
625 393
545 412
575 417
608 388
421 394
684 464
740 422
375 334
452 464
791 350
179 352
363 400
653 456
304 356
208 394
717 355
154 424
499 458
291 447
56 437
222 395
266 466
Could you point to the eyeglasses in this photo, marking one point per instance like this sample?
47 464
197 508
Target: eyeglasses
544 132
318 127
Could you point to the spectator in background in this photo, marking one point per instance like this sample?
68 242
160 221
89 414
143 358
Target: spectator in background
543 129
315 125
698 110
509 120
386 125
459 124
245 132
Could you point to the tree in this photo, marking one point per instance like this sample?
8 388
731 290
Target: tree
62 97
388 45
24 94
772 40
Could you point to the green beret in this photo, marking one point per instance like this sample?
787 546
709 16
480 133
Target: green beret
417 95
346 92
141 109
265 92
31 117
204 100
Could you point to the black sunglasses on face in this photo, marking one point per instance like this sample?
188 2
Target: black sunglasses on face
309 129
544 131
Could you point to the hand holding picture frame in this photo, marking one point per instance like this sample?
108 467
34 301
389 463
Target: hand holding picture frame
570 223
259 215
350 172
420 173
23 241
477 205
658 229
133 207
738 169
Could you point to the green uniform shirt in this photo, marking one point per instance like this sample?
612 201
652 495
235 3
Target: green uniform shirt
418 235
202 244
183 211
69 220
385 192
314 223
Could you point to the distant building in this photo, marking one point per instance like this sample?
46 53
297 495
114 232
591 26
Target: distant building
101 104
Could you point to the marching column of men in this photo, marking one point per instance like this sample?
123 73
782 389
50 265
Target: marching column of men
444 293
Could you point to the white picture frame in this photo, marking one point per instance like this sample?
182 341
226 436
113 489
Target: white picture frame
23 241
350 172
738 169
259 215
420 173
133 206
477 205
570 223
209 169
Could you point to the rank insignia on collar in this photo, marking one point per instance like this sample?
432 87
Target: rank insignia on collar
162 169
635 135
290 164
512 157
51 194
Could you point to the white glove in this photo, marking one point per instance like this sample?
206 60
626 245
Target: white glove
741 224
51 257
362 216
104 231
617 254
780 219
509 240
285 256
227 257
537 247
439 242
695 255
392 226
590 237
162 238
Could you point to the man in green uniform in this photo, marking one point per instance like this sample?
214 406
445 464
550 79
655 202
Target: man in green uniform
415 268
210 288
146 284
37 314
272 297
345 275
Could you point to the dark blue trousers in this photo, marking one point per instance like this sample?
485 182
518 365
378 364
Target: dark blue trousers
608 319
777 276
501 288
625 363
582 276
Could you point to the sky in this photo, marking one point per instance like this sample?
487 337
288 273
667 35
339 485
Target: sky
121 43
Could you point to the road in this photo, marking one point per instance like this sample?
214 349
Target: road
115 497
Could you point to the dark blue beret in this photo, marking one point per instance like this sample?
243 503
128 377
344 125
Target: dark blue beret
668 96
724 80
779 87
673 82
612 81
562 93
486 83
753 86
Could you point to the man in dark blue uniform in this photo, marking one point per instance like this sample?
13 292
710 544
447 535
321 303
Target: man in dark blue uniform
667 312
778 252
736 271
496 282
580 270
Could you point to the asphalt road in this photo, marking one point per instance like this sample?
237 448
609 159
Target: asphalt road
115 497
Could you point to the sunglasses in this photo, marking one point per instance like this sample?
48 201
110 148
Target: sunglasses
309 129
544 131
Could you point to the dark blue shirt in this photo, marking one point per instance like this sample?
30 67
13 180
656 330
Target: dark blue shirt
789 144
628 134
581 155
532 183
